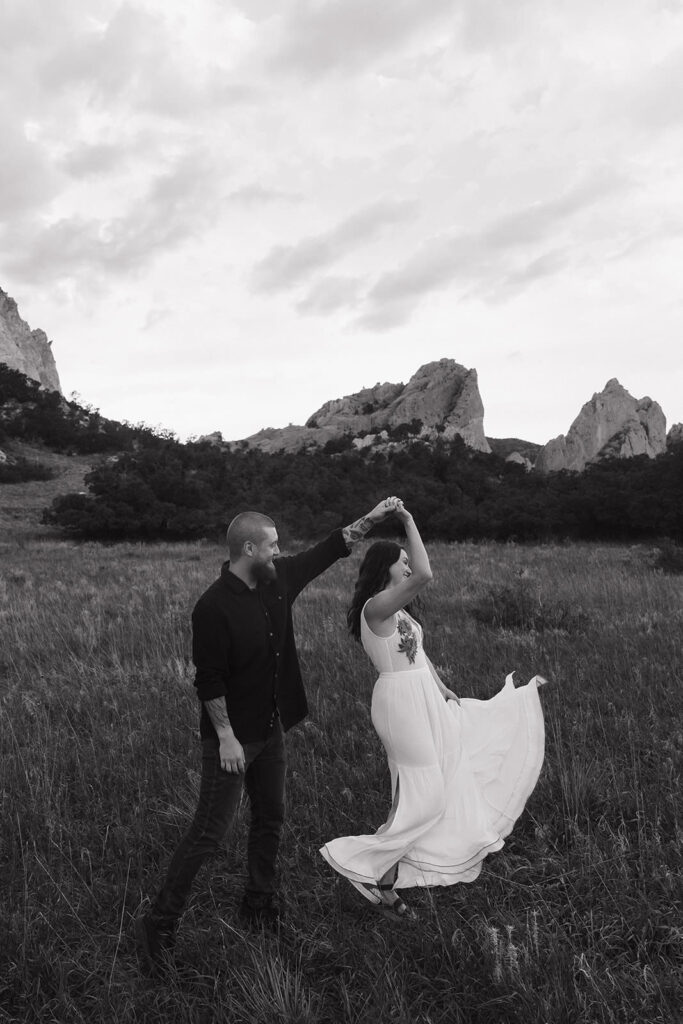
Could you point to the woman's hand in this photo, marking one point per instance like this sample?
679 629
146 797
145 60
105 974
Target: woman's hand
401 512
449 695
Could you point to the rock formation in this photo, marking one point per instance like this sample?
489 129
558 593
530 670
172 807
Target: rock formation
441 400
675 435
23 349
520 460
612 424
215 439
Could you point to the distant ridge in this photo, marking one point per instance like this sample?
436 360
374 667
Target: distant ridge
503 447
440 401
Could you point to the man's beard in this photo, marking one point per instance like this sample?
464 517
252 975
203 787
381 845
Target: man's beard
264 572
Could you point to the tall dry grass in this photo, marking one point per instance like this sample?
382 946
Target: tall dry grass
577 920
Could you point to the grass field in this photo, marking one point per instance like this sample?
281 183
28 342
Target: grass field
577 920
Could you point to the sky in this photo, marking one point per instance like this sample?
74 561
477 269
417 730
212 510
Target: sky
228 212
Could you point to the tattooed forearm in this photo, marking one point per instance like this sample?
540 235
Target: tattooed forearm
356 531
218 713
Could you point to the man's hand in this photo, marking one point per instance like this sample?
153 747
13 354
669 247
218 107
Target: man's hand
231 754
230 749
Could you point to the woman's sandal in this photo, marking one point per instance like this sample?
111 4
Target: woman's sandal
394 908
367 889
378 894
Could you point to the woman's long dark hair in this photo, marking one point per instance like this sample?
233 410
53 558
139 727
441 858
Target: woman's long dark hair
373 576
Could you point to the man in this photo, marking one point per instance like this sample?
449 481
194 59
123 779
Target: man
249 683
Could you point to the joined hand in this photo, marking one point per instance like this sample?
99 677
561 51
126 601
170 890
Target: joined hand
384 508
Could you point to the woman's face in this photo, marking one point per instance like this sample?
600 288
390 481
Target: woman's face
400 570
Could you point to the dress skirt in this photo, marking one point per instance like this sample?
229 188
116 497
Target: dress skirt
460 777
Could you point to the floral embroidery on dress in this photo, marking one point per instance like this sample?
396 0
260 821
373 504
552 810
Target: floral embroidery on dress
408 642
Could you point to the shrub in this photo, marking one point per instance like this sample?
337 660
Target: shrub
518 605
21 469
668 557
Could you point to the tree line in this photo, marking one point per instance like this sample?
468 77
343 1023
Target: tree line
180 491
148 485
31 413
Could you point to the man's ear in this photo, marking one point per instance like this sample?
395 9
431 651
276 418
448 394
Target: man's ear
248 548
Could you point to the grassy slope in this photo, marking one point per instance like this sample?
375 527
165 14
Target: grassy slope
21 505
573 922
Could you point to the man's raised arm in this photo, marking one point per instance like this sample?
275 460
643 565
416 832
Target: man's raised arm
304 567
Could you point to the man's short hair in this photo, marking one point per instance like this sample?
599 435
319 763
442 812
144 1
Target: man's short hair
244 527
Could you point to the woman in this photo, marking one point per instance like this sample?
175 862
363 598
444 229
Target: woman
461 771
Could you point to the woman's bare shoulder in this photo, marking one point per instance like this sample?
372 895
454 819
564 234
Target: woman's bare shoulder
378 624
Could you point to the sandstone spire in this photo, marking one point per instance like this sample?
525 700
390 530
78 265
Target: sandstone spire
612 424
23 349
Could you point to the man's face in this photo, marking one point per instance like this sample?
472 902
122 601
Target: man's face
263 554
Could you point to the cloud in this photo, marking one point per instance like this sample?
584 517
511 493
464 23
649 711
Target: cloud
331 294
533 222
547 264
27 179
315 38
482 259
654 101
107 58
486 24
25 25
94 159
175 207
320 37
255 193
155 316
385 317
134 61
288 265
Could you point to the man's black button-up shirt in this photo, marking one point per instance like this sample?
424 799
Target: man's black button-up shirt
243 643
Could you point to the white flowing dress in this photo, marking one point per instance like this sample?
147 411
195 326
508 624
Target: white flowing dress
460 773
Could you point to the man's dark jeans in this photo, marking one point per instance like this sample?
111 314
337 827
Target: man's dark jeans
219 797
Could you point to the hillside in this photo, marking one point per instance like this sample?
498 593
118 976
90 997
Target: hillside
505 446
22 504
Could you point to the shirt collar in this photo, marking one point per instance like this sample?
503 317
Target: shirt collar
232 582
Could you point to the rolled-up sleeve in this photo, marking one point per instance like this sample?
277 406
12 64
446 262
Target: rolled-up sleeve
210 651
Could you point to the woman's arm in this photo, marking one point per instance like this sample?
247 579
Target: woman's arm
384 605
